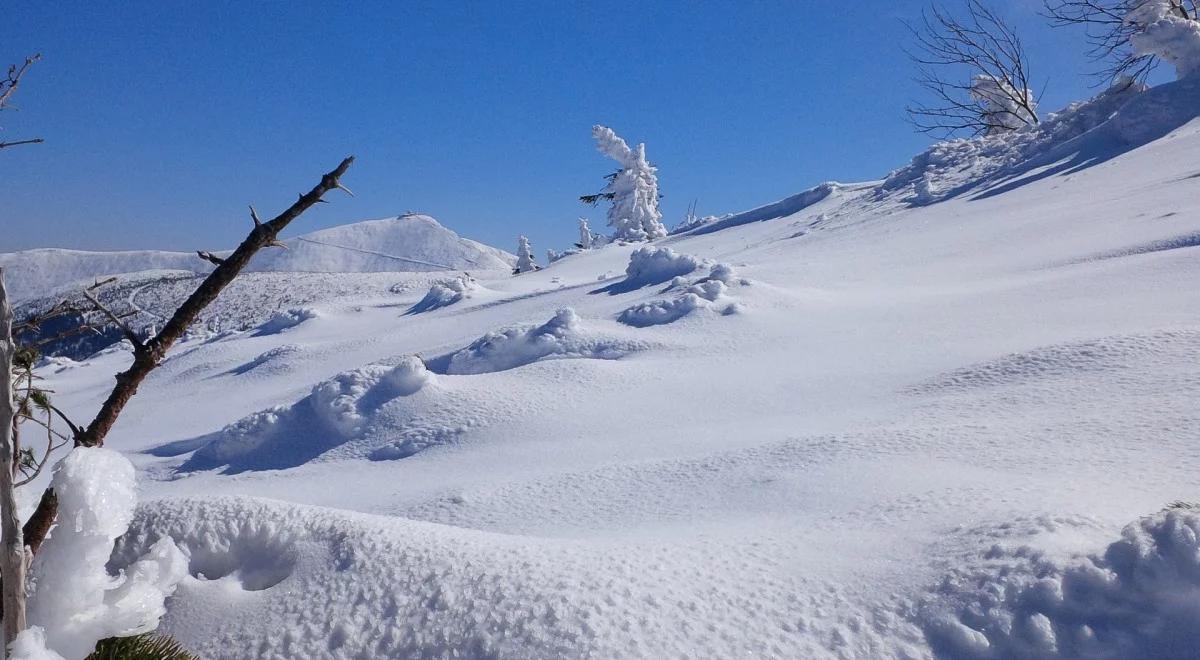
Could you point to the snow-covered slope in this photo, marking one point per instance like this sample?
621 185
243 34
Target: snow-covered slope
404 243
412 243
937 416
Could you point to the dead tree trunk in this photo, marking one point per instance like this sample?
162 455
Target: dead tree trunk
148 354
12 559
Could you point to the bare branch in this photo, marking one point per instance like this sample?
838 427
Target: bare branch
116 320
147 356
15 143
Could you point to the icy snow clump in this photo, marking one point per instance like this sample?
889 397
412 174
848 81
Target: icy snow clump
75 602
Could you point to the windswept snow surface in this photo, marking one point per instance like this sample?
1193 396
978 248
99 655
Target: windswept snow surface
945 423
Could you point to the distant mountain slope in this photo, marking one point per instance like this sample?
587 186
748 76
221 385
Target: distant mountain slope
404 243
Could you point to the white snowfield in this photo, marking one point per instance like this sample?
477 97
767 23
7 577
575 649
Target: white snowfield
413 242
940 415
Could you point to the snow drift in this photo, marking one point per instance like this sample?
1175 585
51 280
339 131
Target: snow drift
1139 599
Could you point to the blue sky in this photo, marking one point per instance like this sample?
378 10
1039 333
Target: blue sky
163 120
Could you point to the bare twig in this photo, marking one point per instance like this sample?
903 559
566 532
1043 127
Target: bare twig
16 143
8 86
116 320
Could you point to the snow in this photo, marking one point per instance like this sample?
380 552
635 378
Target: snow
946 425
445 293
1160 31
1136 599
284 320
1005 108
75 602
563 336
652 265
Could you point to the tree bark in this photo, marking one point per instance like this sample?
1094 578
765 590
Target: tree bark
12 559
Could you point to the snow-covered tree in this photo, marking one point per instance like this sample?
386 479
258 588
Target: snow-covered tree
1133 35
633 189
525 261
1168 30
585 235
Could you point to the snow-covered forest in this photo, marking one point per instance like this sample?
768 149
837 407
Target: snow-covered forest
949 412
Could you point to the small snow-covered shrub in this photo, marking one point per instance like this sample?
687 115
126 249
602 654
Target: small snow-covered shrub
654 265
75 602
445 293
286 319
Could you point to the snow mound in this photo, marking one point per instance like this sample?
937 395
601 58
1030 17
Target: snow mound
403 243
385 587
660 312
1137 600
709 292
653 265
445 293
562 337
284 320
75 601
950 168
336 411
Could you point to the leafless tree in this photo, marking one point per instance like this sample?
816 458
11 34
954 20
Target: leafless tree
976 70
8 86
23 402
1109 32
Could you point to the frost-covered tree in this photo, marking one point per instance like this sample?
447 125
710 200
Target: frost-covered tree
525 261
585 235
632 189
976 71
1133 35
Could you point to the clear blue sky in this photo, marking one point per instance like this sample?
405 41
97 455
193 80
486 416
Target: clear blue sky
163 120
